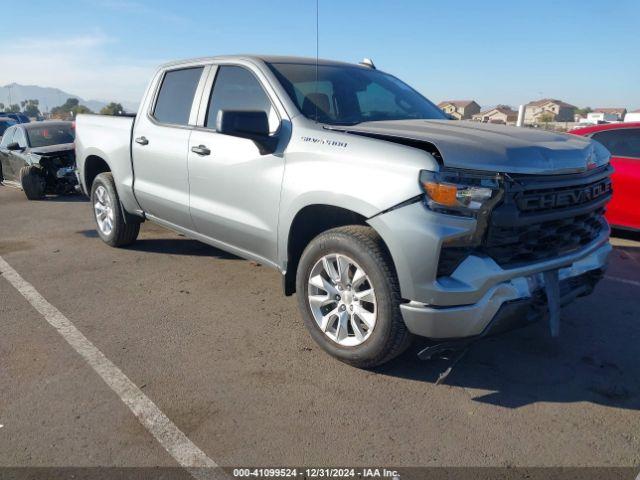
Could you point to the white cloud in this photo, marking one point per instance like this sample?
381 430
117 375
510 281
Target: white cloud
78 65
138 8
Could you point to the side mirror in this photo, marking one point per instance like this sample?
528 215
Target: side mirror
253 125
14 146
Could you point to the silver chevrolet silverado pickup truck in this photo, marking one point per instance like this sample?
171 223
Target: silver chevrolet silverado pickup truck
388 219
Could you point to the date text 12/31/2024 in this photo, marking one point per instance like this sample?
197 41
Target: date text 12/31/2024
316 473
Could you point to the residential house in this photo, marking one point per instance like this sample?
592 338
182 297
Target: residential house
550 109
460 109
633 116
600 117
611 114
502 114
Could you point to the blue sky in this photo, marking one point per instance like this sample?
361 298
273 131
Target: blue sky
584 52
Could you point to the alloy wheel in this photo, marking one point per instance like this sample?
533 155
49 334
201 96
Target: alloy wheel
342 300
103 208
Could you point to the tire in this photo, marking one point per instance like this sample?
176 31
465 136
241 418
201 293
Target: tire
32 182
363 249
107 212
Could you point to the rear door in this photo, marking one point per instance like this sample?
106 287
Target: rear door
160 145
624 145
235 190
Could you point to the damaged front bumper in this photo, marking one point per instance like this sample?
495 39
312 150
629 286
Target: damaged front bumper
479 295
508 304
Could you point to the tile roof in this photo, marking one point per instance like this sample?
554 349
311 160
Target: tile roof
457 103
610 110
539 103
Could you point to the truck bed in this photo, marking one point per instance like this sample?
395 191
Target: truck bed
108 138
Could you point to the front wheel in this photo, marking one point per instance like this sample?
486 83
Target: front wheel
349 297
32 182
113 228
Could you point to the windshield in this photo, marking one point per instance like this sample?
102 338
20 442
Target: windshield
347 95
47 135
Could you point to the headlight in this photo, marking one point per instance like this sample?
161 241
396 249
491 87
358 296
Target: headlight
460 193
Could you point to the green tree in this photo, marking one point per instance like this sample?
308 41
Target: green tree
69 109
31 108
545 118
15 108
1 107
112 109
80 109
583 111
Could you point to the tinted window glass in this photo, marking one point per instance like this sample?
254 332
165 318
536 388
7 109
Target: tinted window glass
7 138
4 124
621 143
176 96
320 89
47 135
349 95
236 88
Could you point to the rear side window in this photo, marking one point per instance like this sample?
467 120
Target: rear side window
7 138
176 96
621 143
236 88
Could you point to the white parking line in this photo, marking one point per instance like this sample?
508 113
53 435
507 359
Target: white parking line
623 280
174 441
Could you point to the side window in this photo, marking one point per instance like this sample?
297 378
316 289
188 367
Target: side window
236 88
7 138
19 137
624 142
175 97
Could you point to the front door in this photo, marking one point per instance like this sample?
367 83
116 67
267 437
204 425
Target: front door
5 155
17 157
235 191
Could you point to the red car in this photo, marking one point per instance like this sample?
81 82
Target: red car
623 141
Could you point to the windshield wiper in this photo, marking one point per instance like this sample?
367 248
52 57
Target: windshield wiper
343 124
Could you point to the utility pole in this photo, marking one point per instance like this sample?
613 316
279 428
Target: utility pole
521 110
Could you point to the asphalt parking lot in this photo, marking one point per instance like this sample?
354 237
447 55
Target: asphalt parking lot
210 339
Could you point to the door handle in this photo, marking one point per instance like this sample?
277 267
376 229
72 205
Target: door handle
201 150
142 141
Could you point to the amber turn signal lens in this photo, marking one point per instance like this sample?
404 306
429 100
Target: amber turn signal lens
442 193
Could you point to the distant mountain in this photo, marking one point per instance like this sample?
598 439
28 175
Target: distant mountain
52 97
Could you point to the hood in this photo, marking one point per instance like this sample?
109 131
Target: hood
51 149
494 148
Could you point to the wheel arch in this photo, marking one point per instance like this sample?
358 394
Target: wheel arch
94 165
308 223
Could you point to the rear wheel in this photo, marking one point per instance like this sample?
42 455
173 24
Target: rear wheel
349 297
32 182
115 227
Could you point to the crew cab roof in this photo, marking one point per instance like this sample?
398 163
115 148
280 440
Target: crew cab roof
264 58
